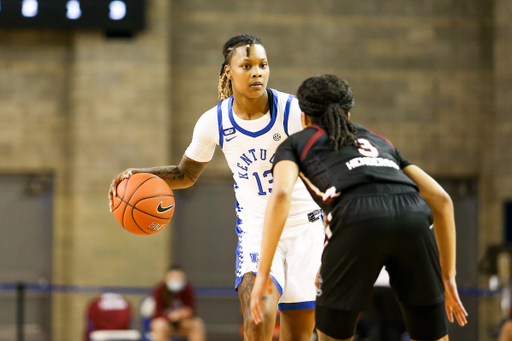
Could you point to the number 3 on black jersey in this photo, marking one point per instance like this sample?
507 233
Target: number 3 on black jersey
367 149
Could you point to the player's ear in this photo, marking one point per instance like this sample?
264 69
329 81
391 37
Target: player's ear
348 115
227 71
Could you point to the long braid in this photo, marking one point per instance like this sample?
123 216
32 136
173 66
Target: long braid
224 88
327 99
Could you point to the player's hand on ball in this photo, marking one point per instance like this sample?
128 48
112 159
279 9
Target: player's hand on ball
113 186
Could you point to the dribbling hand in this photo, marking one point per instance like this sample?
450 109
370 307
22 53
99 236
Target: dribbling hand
113 186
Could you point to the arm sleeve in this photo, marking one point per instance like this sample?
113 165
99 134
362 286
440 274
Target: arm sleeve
294 121
204 139
286 151
401 160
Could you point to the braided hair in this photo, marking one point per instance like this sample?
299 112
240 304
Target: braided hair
327 100
224 87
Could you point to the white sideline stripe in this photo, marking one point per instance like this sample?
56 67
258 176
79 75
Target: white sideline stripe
111 335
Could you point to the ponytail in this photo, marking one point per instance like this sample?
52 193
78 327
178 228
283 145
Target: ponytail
341 131
327 100
224 87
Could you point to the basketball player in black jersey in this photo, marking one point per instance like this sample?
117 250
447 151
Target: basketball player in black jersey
376 217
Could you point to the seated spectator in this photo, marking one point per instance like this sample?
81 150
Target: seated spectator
109 311
175 313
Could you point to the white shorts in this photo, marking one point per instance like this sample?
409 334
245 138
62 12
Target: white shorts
295 265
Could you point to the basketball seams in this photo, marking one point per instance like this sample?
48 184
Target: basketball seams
131 196
136 189
124 193
120 202
121 199
147 196
141 211
135 221
126 205
155 196
138 209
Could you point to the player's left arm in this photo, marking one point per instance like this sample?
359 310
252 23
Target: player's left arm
286 173
444 229
442 209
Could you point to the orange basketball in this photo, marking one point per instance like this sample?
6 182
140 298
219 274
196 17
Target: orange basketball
143 204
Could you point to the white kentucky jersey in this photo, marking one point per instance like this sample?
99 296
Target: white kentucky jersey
249 147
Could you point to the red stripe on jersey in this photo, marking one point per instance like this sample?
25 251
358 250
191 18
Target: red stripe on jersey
312 140
382 137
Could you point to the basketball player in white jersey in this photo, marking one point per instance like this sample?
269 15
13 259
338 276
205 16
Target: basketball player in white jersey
248 124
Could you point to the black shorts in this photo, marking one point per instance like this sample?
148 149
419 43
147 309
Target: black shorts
422 322
378 225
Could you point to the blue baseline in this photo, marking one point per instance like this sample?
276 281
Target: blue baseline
200 291
91 289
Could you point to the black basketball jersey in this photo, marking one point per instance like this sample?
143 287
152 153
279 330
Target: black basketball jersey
329 173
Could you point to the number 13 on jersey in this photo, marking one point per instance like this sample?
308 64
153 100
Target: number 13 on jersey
265 177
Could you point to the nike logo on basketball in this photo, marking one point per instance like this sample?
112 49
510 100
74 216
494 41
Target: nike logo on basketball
161 209
227 140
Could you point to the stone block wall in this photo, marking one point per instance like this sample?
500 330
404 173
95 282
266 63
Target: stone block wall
432 76
421 72
424 75
85 107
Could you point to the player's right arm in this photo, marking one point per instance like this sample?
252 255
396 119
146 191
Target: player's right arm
193 162
183 175
444 230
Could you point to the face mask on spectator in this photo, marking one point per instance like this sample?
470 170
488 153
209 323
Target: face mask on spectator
175 285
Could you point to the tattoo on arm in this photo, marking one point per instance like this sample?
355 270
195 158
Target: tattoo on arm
191 169
168 173
181 176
